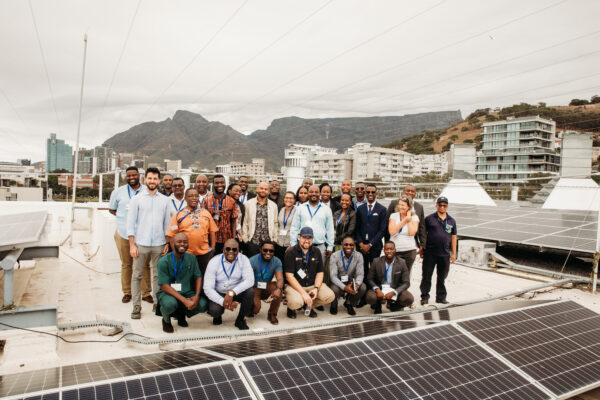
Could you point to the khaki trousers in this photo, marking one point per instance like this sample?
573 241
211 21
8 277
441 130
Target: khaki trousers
127 268
295 301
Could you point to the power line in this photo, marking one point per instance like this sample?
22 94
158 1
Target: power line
37 35
255 56
114 75
198 53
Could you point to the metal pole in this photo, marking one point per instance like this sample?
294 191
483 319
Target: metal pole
116 179
100 189
597 255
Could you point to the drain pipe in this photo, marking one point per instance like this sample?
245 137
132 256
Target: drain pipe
8 266
135 338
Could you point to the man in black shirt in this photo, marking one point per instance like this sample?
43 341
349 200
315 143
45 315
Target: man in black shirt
303 267
441 235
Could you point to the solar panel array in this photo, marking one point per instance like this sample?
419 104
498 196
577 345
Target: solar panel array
540 352
557 229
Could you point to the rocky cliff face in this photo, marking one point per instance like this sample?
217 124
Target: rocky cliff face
193 139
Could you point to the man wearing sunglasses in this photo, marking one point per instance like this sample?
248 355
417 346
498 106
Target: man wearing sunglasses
441 238
347 276
359 198
265 266
371 223
176 198
228 284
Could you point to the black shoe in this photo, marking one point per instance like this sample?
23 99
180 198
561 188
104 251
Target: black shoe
167 327
424 301
241 325
313 313
291 313
442 301
350 309
217 321
321 308
182 322
377 309
333 308
251 315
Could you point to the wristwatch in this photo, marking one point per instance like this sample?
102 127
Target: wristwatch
231 293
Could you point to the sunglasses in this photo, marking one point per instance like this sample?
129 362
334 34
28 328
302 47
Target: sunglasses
371 191
360 189
178 185
231 249
348 244
268 251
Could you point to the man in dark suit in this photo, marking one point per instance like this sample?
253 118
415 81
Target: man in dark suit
371 222
421 236
388 281
245 195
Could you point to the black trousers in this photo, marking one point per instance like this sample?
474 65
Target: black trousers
443 266
408 257
251 249
246 300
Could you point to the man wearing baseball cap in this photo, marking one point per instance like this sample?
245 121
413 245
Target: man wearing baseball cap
303 267
440 251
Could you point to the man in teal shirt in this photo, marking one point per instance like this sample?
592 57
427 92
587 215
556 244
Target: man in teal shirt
265 265
176 296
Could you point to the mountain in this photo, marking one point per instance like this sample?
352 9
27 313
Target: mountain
195 140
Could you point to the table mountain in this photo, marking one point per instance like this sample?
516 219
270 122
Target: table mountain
195 140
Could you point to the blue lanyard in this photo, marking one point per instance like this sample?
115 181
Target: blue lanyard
243 198
129 192
176 271
387 268
349 260
307 254
180 205
220 203
338 218
285 220
185 216
310 212
262 271
232 267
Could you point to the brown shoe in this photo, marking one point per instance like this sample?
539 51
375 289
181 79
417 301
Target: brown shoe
148 298
126 298
272 319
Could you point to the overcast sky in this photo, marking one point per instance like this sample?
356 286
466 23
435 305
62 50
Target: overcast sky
245 63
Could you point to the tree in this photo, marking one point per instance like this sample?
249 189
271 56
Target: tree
578 102
453 138
468 141
595 99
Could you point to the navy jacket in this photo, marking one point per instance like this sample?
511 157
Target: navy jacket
371 228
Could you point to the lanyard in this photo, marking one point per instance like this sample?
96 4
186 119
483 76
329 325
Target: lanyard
285 220
307 254
387 268
180 205
232 267
243 198
262 271
176 271
129 192
220 203
338 218
184 217
349 261
310 212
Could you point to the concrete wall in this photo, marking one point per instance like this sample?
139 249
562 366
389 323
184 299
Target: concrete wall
576 155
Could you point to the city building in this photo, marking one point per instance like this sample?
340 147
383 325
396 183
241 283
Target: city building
172 165
423 164
331 167
297 158
59 155
83 181
15 173
379 162
254 168
516 148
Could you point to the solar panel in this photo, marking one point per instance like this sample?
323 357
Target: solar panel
555 344
21 228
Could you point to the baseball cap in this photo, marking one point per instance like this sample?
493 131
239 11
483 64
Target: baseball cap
306 231
441 199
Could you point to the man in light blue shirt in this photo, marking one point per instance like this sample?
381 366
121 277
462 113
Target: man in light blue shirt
147 222
118 206
313 214
229 281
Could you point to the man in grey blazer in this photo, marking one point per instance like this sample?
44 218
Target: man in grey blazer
421 236
388 281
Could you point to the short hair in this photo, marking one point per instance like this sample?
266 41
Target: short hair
390 242
188 189
359 183
322 185
292 193
218 176
242 176
372 185
177 179
273 180
153 170
168 174
346 194
348 235
407 200
266 241
132 168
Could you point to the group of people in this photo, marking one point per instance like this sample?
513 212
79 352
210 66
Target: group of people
190 250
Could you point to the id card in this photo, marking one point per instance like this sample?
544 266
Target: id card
344 278
301 273
176 286
261 285
385 288
283 232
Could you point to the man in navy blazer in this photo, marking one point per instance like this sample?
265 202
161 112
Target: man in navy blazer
371 222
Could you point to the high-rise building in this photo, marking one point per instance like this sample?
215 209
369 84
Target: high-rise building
59 155
516 148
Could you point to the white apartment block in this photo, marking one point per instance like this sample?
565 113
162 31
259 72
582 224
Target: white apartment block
331 167
423 164
297 158
254 168
379 162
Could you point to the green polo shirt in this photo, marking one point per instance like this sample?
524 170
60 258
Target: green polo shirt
187 276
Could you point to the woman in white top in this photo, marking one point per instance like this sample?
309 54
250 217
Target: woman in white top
403 226
286 216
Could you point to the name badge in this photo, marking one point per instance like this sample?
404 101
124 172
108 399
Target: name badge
301 273
216 217
176 286
344 278
261 285
283 232
385 288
